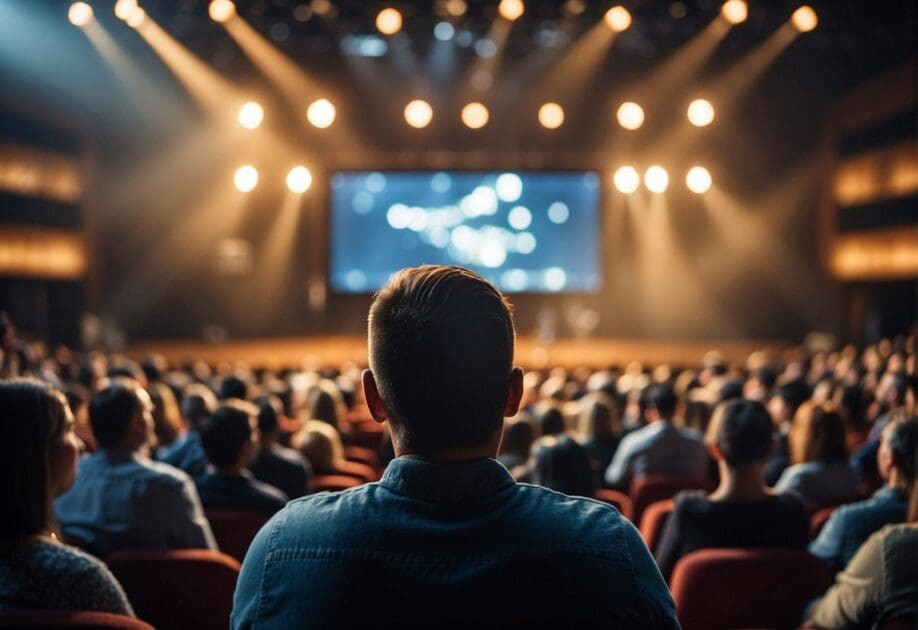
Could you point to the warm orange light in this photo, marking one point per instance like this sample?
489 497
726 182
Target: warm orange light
735 11
630 115
656 179
389 21
221 10
136 17
804 19
511 9
250 115
246 178
551 115
618 19
698 179
475 115
79 14
700 112
321 113
124 8
626 179
455 8
299 179
418 113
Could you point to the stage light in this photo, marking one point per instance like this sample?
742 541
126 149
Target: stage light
299 179
551 115
804 19
511 9
246 178
418 113
79 14
618 19
698 179
321 113
656 179
735 11
221 10
626 179
124 8
630 115
136 17
700 112
475 115
456 8
250 115
389 21
444 31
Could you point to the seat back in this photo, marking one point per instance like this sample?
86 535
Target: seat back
69 619
718 589
333 483
181 588
653 521
649 489
235 529
818 520
619 499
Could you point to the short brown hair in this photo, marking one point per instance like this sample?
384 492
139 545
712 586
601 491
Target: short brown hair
817 434
441 350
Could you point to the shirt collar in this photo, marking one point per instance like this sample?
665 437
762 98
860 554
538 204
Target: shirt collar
891 494
446 483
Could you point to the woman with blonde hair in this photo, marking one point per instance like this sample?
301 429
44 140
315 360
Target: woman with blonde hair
600 427
321 444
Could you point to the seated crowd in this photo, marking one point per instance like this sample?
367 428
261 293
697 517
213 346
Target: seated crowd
100 453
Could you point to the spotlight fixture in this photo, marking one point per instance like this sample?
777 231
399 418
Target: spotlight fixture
735 11
136 17
511 9
551 115
246 178
124 8
321 113
626 179
79 14
700 112
630 115
418 113
389 21
698 179
656 179
299 179
475 115
804 19
221 10
250 115
618 18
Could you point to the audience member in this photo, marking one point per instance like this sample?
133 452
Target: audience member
122 499
187 452
230 439
324 402
820 472
447 519
167 419
782 407
600 428
320 443
517 442
851 525
560 463
659 448
742 511
550 420
284 468
233 387
38 456
892 395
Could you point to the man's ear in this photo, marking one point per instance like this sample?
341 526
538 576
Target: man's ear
515 392
374 401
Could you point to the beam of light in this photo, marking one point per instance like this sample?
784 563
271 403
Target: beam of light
418 113
124 8
551 115
389 21
277 254
205 85
80 14
483 71
630 115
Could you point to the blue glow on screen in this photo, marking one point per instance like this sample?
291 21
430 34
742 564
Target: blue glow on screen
526 232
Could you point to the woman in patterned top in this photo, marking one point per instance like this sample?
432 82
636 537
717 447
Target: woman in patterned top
38 456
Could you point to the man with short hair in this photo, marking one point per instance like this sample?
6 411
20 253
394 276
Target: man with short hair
279 466
660 447
447 537
230 439
121 499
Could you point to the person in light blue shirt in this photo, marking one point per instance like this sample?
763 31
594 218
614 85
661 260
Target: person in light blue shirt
187 452
121 499
447 538
851 525
660 447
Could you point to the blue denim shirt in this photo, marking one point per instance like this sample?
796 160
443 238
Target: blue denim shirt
851 525
438 545
659 448
186 453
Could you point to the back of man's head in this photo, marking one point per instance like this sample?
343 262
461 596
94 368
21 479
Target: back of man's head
226 431
662 398
441 352
198 402
111 410
233 387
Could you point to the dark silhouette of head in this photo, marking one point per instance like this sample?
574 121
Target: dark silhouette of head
742 432
560 463
228 431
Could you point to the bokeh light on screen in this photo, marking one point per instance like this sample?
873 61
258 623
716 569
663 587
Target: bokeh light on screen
299 179
551 115
418 113
79 14
250 115
519 218
246 178
630 115
656 179
509 187
626 179
700 112
444 31
698 180
321 113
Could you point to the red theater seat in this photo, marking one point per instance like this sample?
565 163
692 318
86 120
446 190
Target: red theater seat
69 619
652 488
818 520
235 529
333 483
719 589
619 499
653 521
182 588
